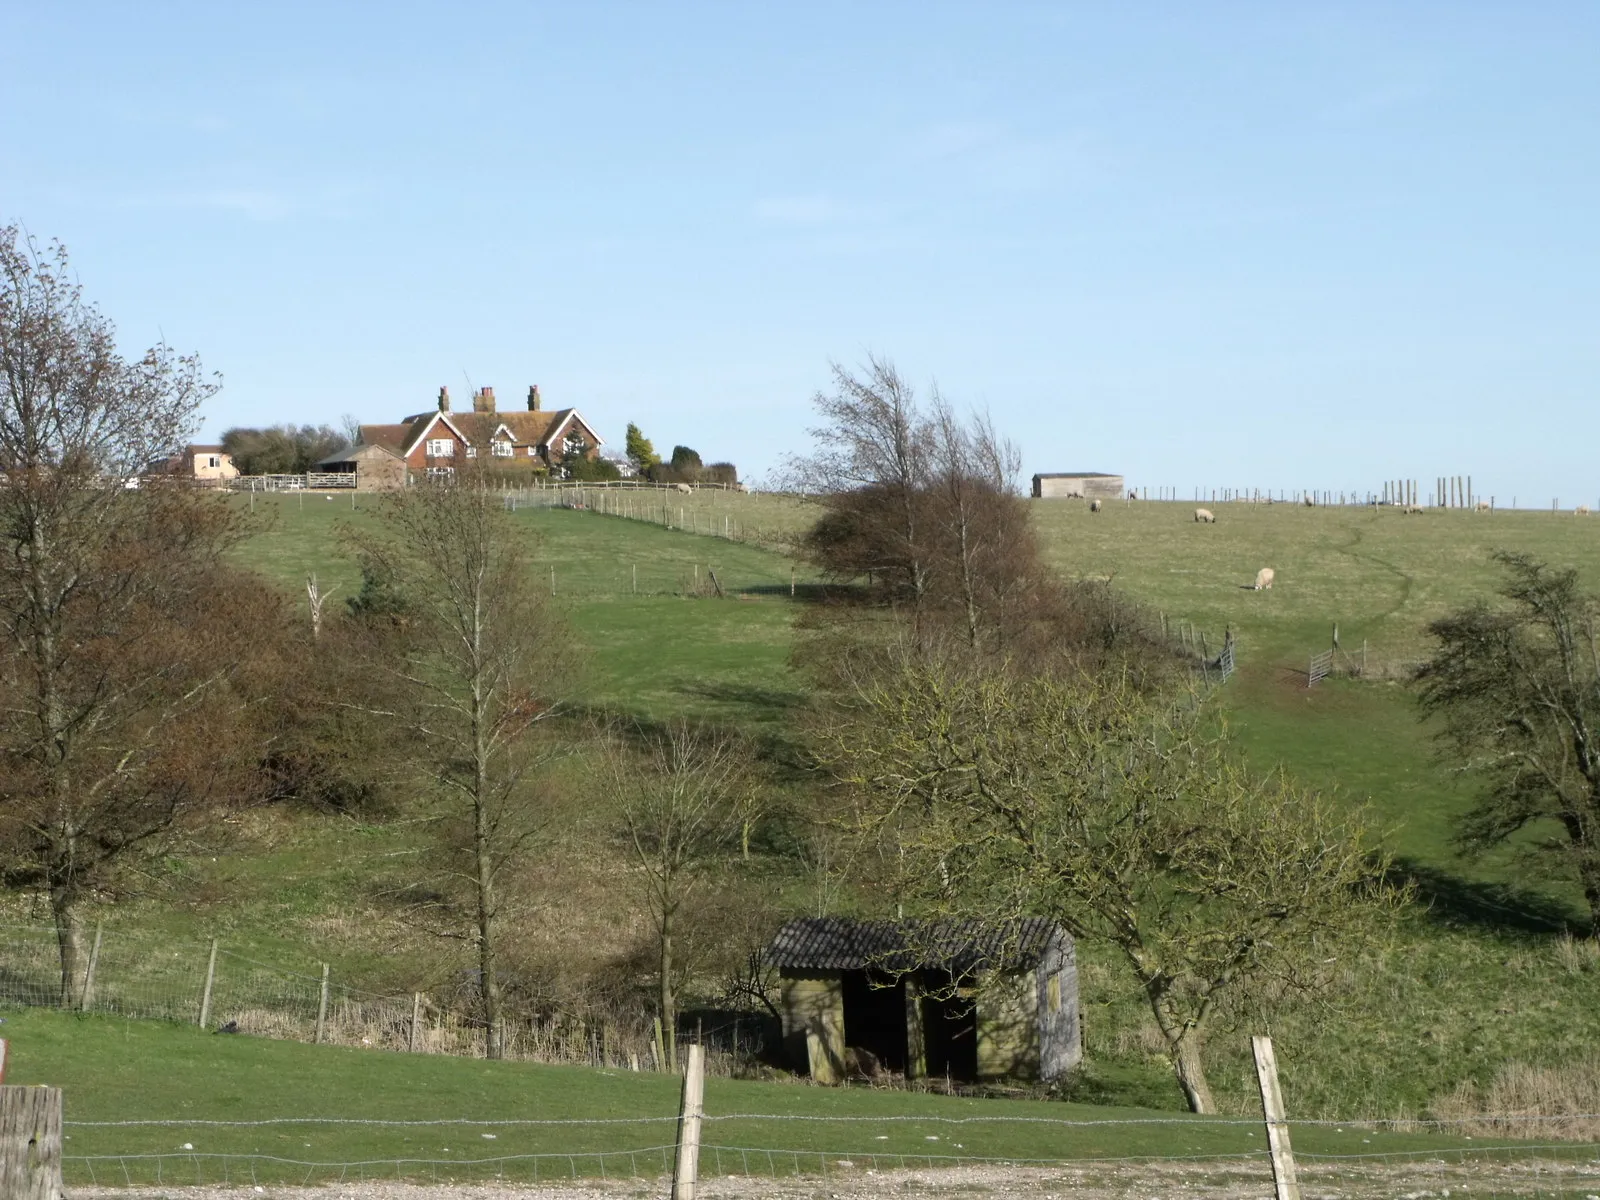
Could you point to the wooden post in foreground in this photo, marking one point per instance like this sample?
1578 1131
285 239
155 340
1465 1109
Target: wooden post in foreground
1283 1175
322 1006
30 1143
687 1170
205 996
416 1021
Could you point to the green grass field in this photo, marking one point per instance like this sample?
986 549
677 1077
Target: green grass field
1479 976
191 1098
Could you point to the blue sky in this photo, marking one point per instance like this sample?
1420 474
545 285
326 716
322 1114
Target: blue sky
1273 245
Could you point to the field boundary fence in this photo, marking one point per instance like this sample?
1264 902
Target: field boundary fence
1448 492
707 510
1354 1156
1192 642
139 974
1385 1157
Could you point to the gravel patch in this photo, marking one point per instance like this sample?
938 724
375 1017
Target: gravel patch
1108 1181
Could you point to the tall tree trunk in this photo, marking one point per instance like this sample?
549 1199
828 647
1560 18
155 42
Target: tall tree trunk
1187 1063
969 594
69 937
1589 876
669 1002
489 980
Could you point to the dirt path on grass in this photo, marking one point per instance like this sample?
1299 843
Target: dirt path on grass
1107 1181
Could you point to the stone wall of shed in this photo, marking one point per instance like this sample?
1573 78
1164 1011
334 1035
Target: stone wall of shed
379 472
1008 1028
1060 1022
813 1022
1088 487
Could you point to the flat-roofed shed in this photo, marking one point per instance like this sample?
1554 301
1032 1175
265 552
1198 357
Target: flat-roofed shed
1077 485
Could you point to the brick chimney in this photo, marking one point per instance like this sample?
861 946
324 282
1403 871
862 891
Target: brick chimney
444 399
483 400
533 398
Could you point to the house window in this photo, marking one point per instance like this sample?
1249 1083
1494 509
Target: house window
504 449
533 452
472 452
441 448
213 461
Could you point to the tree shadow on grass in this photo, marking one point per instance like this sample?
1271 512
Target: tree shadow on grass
770 703
1459 903
810 593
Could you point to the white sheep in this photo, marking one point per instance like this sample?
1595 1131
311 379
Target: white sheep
1481 506
1412 508
1204 515
1094 506
684 488
1581 511
1264 579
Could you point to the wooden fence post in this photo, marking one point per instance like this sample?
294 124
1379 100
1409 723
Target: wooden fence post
416 1022
30 1143
205 995
686 1172
89 973
322 1006
1283 1175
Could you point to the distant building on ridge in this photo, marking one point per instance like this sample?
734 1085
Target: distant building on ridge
1077 485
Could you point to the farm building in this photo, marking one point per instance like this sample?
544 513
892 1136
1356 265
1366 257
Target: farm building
1082 485
946 998
376 468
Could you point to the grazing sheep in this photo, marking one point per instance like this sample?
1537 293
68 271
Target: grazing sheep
1581 511
1412 508
1204 515
1132 494
1264 579
1481 506
684 488
1094 506
1309 502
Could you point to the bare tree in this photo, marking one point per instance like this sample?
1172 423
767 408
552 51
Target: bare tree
872 443
685 801
1003 795
470 650
1518 688
97 579
923 505
983 545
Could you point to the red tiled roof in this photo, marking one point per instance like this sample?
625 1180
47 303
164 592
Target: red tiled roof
477 428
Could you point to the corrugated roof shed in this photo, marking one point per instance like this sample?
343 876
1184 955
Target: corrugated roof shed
840 944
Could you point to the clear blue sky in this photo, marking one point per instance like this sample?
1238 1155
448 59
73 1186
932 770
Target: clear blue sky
1272 245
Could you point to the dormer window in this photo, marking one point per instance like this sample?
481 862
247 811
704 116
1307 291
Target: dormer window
503 449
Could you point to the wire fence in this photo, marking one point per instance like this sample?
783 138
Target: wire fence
134 973
768 520
1384 1158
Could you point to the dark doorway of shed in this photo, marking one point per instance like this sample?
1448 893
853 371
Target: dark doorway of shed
875 1019
949 1030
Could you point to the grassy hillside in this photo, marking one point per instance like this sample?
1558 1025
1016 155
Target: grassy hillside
1480 976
